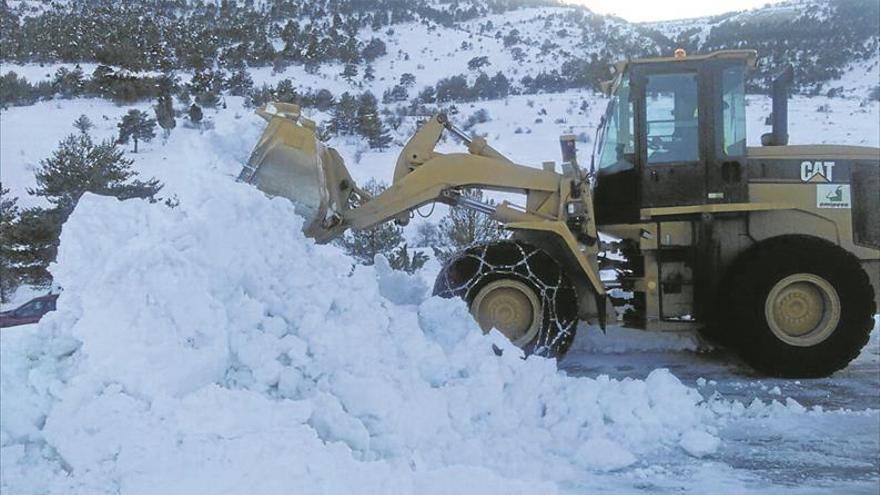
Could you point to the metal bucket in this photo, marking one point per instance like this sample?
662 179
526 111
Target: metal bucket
289 161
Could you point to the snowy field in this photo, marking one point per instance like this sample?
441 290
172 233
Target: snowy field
210 348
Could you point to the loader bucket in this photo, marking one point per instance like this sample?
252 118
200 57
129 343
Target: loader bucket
289 161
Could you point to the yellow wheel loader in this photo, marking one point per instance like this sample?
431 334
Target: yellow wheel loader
771 250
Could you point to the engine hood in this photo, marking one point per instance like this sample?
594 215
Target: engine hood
814 152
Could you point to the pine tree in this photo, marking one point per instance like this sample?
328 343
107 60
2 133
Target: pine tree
79 165
32 244
206 87
83 124
102 78
345 115
382 239
478 63
208 99
348 52
397 93
428 95
137 126
407 80
369 74
401 260
323 100
69 83
15 90
195 114
376 21
482 86
164 109
428 235
183 97
349 72
9 214
285 92
375 48
240 82
369 124
500 86
463 227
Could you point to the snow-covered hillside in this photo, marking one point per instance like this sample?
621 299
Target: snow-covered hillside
825 41
834 47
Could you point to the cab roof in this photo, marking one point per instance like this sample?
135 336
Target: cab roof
750 57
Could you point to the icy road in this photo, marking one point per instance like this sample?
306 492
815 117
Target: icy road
806 454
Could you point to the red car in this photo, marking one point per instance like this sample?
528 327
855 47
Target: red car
29 312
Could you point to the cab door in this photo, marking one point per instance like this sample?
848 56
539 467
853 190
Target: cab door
727 172
671 152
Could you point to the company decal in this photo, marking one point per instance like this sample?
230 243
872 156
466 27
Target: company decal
833 196
818 171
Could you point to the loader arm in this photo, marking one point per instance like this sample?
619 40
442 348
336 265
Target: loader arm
290 161
442 172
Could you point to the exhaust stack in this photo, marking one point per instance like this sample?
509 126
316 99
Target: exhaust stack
779 118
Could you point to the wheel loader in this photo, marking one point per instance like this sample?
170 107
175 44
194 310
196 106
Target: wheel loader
773 251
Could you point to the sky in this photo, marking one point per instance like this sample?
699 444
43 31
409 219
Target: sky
662 10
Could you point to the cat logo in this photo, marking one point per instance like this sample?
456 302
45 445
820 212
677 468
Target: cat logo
817 171
832 196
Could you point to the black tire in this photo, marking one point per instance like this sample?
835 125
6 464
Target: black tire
753 277
472 269
716 331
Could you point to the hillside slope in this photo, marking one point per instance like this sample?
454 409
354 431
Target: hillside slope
834 47
563 46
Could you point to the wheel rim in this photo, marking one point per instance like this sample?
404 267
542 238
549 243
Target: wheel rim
802 309
511 307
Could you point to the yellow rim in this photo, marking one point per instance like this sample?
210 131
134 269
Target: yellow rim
511 307
802 309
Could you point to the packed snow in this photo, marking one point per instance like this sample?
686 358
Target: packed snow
210 347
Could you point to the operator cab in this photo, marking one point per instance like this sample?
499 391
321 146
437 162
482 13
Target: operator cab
674 134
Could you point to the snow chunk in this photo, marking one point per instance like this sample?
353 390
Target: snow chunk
605 455
699 443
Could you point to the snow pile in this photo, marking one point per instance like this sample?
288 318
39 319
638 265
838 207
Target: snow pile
210 348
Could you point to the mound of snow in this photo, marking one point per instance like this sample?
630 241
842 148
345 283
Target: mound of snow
212 348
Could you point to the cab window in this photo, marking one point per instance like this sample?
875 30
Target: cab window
733 103
616 145
671 108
